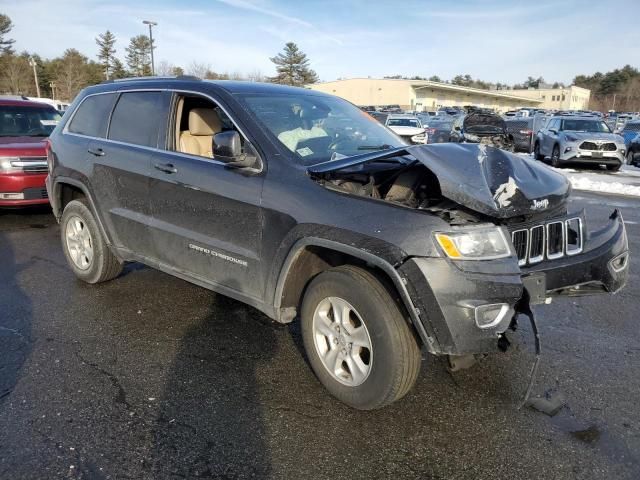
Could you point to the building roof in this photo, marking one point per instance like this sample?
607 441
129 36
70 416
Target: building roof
420 84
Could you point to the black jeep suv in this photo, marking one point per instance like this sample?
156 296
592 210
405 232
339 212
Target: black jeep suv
304 207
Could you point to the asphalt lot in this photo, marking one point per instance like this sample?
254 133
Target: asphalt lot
148 376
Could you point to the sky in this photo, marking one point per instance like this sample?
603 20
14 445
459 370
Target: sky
493 40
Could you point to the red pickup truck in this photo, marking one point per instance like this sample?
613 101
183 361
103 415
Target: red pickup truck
24 128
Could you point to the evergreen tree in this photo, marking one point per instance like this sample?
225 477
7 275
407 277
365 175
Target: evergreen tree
139 56
118 70
292 67
5 28
106 52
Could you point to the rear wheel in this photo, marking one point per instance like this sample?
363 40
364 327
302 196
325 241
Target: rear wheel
86 251
536 152
357 339
555 156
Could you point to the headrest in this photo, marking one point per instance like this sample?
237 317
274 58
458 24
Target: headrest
204 121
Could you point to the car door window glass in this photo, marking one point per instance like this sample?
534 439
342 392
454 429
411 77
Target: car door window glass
197 121
92 116
137 118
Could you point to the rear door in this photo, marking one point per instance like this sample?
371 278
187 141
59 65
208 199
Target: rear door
207 216
121 169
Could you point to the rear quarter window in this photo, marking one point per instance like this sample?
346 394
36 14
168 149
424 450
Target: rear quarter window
92 116
137 118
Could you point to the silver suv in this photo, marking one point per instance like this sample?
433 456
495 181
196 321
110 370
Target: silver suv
576 139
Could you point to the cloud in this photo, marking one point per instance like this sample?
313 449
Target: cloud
245 5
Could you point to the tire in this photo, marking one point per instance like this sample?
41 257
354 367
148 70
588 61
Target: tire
536 152
388 368
613 168
84 247
630 156
555 157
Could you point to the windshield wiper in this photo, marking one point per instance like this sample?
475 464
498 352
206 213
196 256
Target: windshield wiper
384 146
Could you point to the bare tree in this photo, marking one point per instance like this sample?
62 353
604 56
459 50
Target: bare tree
165 68
71 74
199 70
256 76
16 76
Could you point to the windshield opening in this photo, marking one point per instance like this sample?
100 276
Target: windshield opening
591 126
22 121
317 128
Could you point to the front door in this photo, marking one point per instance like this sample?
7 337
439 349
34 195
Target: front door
207 217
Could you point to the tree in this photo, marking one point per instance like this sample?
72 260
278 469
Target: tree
16 76
72 72
118 70
199 70
139 55
435 78
5 28
292 67
106 51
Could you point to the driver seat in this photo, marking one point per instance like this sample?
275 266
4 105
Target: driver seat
204 123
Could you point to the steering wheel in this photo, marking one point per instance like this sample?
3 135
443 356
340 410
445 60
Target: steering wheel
33 131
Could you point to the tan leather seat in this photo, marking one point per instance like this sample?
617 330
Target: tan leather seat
204 123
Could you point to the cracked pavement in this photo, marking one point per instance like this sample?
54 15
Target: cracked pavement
148 376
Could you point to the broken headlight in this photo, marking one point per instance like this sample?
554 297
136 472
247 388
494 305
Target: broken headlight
477 244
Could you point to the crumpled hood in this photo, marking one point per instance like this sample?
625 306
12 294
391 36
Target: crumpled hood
482 178
605 137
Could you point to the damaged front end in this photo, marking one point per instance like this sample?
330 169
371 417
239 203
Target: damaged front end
511 240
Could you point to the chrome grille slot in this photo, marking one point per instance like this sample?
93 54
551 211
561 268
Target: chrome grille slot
32 164
573 243
536 244
555 240
520 239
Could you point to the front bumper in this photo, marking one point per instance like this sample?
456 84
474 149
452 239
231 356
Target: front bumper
574 154
447 293
29 187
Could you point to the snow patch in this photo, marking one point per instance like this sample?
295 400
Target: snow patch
505 192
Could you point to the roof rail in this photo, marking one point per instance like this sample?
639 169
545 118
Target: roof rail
150 78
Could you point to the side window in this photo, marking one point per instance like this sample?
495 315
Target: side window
92 116
197 121
137 118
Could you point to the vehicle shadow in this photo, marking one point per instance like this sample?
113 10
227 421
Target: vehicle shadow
15 321
209 422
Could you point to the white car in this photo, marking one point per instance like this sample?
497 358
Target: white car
408 127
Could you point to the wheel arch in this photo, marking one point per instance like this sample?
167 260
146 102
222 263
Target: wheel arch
66 189
311 256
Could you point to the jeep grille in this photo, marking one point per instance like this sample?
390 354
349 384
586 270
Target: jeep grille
547 241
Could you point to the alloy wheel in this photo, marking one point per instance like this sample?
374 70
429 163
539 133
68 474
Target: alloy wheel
342 341
79 242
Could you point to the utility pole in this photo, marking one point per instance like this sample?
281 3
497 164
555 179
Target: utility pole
53 90
151 25
614 103
33 64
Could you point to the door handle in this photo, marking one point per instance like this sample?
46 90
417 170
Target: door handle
98 152
165 167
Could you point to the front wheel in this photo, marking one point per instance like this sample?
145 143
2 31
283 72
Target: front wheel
536 152
86 251
613 168
555 157
357 340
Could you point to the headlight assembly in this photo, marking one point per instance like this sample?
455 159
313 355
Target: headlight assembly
477 244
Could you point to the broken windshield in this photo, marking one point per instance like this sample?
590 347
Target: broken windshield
318 128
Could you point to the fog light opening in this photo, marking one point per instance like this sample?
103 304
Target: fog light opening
619 263
488 316
12 196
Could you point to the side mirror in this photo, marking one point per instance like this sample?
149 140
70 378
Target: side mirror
457 128
554 131
227 148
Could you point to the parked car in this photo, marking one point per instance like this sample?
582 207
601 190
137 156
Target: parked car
633 154
630 131
24 128
407 127
297 204
439 129
485 128
379 116
521 129
580 140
